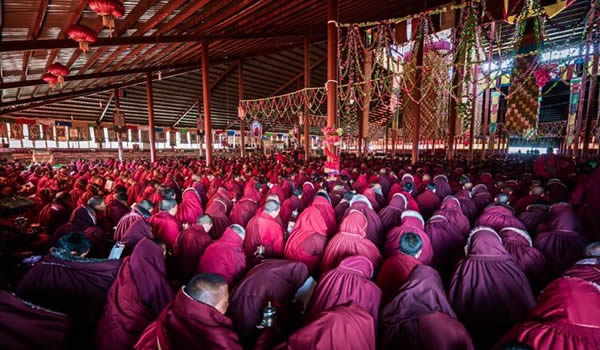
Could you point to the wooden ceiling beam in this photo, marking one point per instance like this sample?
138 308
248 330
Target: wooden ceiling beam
112 95
298 76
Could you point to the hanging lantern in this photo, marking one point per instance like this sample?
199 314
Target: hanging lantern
58 70
83 35
51 79
109 10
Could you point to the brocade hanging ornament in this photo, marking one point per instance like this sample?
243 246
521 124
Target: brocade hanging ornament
119 120
83 35
256 129
60 71
332 141
109 10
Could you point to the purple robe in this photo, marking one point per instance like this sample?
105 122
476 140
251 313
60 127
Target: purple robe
136 231
586 269
272 280
533 216
115 211
481 196
420 317
24 326
391 216
489 292
443 188
54 215
447 243
217 210
499 217
562 248
428 202
243 211
188 249
520 246
451 210
374 227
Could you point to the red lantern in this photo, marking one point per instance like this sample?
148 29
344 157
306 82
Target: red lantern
109 10
59 70
83 35
51 79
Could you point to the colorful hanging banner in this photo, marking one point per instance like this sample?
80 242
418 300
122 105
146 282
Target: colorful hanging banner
34 132
162 137
16 131
172 138
3 130
494 107
112 135
73 134
145 136
61 133
84 133
573 104
48 130
193 137
99 134
62 123
135 136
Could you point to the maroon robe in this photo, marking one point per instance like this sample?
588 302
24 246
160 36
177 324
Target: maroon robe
225 257
391 216
374 228
115 211
447 243
340 209
344 327
499 217
520 246
217 210
189 324
140 292
586 269
76 286
243 211
272 280
24 326
443 188
481 196
394 273
350 281
562 248
489 292
420 317
451 210
588 202
264 230
288 207
566 317
137 230
165 227
190 208
188 249
322 205
411 222
54 215
428 202
533 216
308 193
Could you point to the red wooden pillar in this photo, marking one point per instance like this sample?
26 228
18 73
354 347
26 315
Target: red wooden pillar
306 121
419 76
332 83
206 97
150 116
119 141
241 97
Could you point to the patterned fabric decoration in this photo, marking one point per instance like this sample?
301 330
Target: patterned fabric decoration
135 136
573 104
48 132
3 130
16 131
193 137
172 138
162 137
256 129
84 134
112 135
34 132
145 136
61 133
73 134
99 134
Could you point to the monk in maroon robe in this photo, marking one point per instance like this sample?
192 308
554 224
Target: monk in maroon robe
391 216
498 217
520 246
133 227
447 243
190 208
217 209
350 281
412 222
67 282
56 214
533 216
194 320
480 194
24 326
442 186
226 256
562 248
429 201
451 210
420 317
308 193
567 316
272 280
164 224
344 327
374 228
139 294
264 231
116 209
489 292
351 240
587 269
291 207
243 211
190 245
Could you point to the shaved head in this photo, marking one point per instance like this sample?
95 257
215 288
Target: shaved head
537 190
209 289
593 250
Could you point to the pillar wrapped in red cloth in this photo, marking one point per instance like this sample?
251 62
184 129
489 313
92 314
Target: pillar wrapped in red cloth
489 292
566 317
420 317
25 326
344 327
350 281
225 257
140 292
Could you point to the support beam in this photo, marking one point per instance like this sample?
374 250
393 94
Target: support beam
54 44
241 97
332 83
198 123
298 76
150 116
417 97
110 98
119 141
306 121
592 105
206 97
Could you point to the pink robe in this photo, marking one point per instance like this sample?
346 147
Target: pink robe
499 217
586 269
217 210
391 216
225 257
350 281
264 230
288 207
165 227
566 317
451 209
189 324
374 229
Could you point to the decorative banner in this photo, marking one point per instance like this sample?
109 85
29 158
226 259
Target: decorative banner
200 124
84 133
172 138
162 137
193 137
241 112
3 130
145 136
135 136
62 123
34 132
48 130
256 129
16 131
119 119
99 134
112 135
573 104
61 133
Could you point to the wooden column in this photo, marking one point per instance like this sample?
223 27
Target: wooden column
418 79
206 97
119 141
150 116
332 83
473 111
488 91
241 97
306 121
198 124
